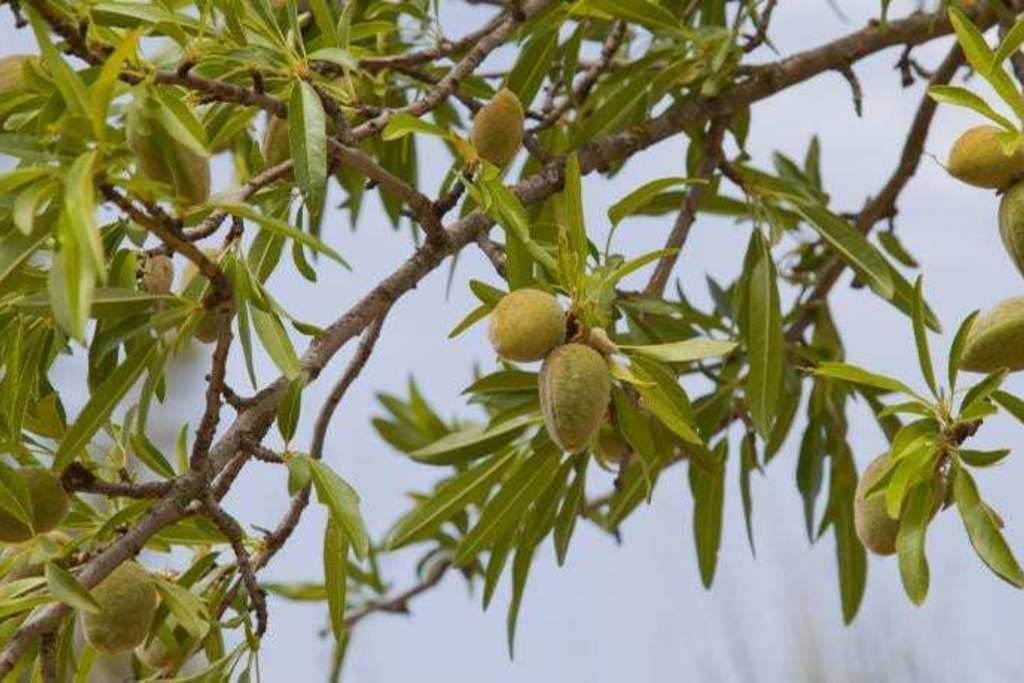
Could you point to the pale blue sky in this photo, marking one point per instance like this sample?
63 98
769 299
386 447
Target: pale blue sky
638 611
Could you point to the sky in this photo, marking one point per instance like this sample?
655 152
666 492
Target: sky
637 611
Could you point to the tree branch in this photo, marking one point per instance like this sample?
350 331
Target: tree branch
883 205
688 212
230 528
400 603
76 477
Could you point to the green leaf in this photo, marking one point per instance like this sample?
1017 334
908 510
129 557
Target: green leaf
275 225
275 340
112 302
335 576
892 245
983 531
473 442
102 403
105 87
70 286
178 120
520 571
852 562
532 66
15 250
572 504
642 196
1011 42
575 228
509 212
14 496
80 211
69 84
956 351
910 540
852 247
748 463
765 342
343 502
68 590
953 94
852 373
503 512
337 56
451 498
403 124
290 408
708 487
981 58
903 299
26 204
924 355
666 400
307 135
187 607
1010 404
983 458
475 316
980 392
682 351
648 14
151 457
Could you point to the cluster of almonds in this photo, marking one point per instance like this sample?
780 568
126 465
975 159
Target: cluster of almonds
979 158
574 385
994 341
127 597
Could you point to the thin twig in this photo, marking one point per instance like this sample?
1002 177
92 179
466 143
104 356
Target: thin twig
688 212
76 477
858 93
230 528
400 603
493 252
579 93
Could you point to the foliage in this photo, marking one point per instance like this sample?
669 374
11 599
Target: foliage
111 128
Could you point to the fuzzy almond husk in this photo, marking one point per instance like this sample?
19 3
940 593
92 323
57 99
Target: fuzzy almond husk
12 72
610 448
1011 224
498 128
163 159
575 387
526 324
276 147
49 506
978 159
996 339
128 601
158 274
875 528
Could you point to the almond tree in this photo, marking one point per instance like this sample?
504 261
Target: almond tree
111 126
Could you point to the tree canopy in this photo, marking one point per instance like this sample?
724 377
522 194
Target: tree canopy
120 246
